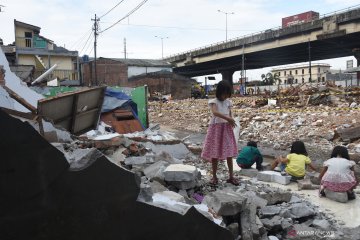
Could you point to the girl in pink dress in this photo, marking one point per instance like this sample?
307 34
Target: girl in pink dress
220 141
338 173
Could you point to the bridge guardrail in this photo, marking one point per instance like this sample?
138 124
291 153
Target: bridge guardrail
260 32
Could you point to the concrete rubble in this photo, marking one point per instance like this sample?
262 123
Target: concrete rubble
113 183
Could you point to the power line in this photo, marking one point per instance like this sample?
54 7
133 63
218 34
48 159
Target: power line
127 15
185 28
111 9
87 42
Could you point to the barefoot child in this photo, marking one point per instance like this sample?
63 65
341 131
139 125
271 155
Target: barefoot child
220 141
295 163
338 173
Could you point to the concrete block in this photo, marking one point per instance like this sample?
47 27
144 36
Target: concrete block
336 196
225 202
284 180
272 176
265 176
258 201
250 172
180 172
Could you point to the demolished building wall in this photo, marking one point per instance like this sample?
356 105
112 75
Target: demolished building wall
40 198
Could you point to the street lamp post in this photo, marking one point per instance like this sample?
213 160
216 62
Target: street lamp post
162 45
226 15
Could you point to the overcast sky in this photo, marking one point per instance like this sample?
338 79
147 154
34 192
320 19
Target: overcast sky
184 24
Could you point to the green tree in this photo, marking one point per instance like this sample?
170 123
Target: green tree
268 79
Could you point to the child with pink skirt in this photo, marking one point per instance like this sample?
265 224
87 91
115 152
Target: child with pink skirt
338 173
220 141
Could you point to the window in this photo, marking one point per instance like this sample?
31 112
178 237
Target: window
302 71
285 81
290 72
28 39
323 79
296 81
319 79
303 80
318 70
284 73
296 72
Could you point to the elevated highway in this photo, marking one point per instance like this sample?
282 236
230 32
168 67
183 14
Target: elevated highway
332 36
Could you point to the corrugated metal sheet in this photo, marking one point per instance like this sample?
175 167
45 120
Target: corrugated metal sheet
77 112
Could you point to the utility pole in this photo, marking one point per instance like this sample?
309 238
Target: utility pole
95 28
310 60
162 45
124 48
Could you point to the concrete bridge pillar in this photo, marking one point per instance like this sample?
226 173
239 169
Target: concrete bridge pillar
228 76
356 52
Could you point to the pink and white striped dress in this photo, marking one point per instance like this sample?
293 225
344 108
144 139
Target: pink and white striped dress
220 140
338 177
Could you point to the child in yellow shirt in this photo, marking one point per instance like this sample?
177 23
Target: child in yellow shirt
295 163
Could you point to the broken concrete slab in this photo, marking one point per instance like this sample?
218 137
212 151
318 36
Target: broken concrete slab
141 160
178 151
180 172
258 201
157 187
225 202
321 223
234 229
269 211
273 224
96 202
156 171
341 197
173 196
300 210
265 176
249 228
275 197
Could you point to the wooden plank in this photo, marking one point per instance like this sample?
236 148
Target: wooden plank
20 100
77 115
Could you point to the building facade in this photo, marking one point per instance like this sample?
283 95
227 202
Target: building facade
117 71
32 49
302 73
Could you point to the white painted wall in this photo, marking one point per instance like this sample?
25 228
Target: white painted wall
134 71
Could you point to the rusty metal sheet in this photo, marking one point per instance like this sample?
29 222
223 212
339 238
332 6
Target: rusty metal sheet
122 120
77 112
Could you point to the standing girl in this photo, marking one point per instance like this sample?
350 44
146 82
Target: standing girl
220 141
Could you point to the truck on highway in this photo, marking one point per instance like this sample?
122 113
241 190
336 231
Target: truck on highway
300 18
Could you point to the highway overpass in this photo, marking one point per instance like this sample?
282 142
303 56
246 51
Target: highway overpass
332 36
